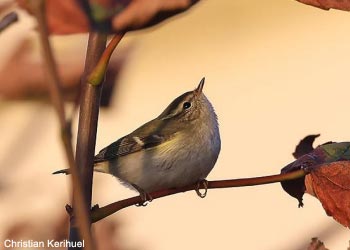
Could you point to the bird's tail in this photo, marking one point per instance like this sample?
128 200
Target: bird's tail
98 167
102 167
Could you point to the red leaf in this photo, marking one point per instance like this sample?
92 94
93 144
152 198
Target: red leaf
328 4
322 155
63 17
75 16
305 146
330 184
316 244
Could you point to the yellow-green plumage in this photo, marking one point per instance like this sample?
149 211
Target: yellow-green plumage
177 148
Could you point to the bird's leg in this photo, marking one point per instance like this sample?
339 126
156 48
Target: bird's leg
145 197
205 184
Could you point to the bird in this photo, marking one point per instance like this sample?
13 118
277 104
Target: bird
178 148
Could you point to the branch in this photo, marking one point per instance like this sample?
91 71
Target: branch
98 73
88 117
102 212
38 8
7 20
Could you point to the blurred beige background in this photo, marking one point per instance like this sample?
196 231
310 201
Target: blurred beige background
275 72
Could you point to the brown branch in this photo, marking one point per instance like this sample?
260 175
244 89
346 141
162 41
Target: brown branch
38 8
7 20
88 117
102 212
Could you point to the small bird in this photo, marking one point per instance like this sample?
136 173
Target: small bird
178 148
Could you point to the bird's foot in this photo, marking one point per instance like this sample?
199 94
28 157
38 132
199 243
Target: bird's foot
145 197
203 182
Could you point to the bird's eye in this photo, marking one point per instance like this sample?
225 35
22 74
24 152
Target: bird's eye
186 105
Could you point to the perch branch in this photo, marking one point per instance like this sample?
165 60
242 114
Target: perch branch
102 212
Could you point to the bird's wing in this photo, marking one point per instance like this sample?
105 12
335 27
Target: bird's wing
127 145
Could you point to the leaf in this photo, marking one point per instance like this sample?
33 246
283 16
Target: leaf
323 154
330 184
113 16
296 188
145 13
58 13
316 244
328 4
25 77
305 146
329 179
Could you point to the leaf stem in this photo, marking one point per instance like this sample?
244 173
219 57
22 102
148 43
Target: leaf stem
97 75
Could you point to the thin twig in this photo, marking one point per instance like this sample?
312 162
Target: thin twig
7 20
82 214
102 212
97 75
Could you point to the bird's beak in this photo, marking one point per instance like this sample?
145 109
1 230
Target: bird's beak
199 89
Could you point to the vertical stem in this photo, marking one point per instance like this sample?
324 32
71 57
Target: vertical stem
88 117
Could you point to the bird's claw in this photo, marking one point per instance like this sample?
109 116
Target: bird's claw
146 198
205 184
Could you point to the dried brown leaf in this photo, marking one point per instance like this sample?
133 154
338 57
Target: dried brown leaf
305 146
63 17
24 75
144 13
330 184
76 16
316 244
328 4
321 156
